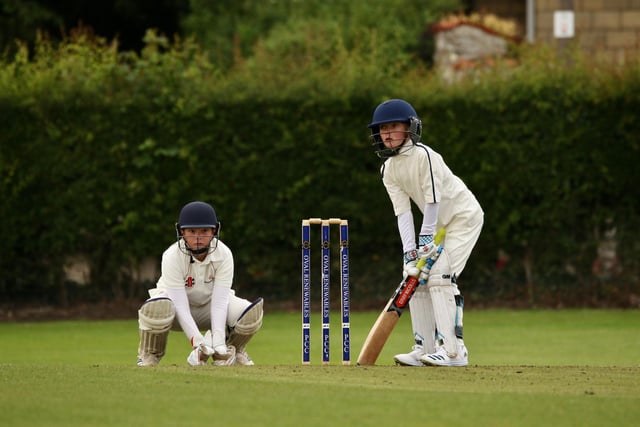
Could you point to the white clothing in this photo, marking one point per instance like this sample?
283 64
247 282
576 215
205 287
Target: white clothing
182 271
200 290
419 174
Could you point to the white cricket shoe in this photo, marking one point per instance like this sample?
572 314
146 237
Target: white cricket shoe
442 358
242 358
412 358
148 360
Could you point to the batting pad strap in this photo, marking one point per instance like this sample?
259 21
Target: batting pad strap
459 309
156 315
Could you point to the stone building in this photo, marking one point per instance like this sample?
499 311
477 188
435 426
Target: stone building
606 29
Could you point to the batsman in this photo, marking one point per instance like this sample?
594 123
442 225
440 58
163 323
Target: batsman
414 172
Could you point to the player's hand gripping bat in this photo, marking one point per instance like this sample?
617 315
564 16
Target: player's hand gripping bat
389 317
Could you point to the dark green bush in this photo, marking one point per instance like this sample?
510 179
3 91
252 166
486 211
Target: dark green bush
99 151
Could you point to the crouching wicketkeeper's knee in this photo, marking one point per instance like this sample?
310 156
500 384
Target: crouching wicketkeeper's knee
247 325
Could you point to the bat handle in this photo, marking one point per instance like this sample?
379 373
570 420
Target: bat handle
429 263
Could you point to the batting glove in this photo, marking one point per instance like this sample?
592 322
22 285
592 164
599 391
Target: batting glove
426 268
410 260
426 246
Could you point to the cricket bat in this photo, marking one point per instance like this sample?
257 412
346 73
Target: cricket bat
391 313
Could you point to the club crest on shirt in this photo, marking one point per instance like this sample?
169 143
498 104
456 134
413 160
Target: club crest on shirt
189 282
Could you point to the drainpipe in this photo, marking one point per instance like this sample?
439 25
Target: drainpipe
531 21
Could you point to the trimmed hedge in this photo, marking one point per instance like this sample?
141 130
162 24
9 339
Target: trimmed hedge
100 150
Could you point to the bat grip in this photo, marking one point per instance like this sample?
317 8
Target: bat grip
429 263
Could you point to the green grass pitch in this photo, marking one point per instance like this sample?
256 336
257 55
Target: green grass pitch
527 368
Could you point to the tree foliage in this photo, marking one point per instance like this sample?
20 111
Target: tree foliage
387 29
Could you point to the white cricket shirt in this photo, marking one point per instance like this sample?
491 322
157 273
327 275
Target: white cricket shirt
182 271
420 174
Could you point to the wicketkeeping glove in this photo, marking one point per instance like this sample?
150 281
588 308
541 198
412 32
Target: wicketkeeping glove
426 246
197 357
218 344
410 260
202 350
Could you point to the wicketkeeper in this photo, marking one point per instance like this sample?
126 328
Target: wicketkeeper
414 172
194 294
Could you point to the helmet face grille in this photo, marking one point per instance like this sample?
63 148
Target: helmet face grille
415 129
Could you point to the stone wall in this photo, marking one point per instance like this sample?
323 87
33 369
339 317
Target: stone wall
606 29
610 29
464 48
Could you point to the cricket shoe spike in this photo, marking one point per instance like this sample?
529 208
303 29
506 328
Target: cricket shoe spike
410 359
442 358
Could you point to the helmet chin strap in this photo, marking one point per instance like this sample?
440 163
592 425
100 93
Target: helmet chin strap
195 252
387 152
198 251
404 141
407 143
203 249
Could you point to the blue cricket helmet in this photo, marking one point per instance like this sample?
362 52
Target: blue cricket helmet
197 215
394 110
